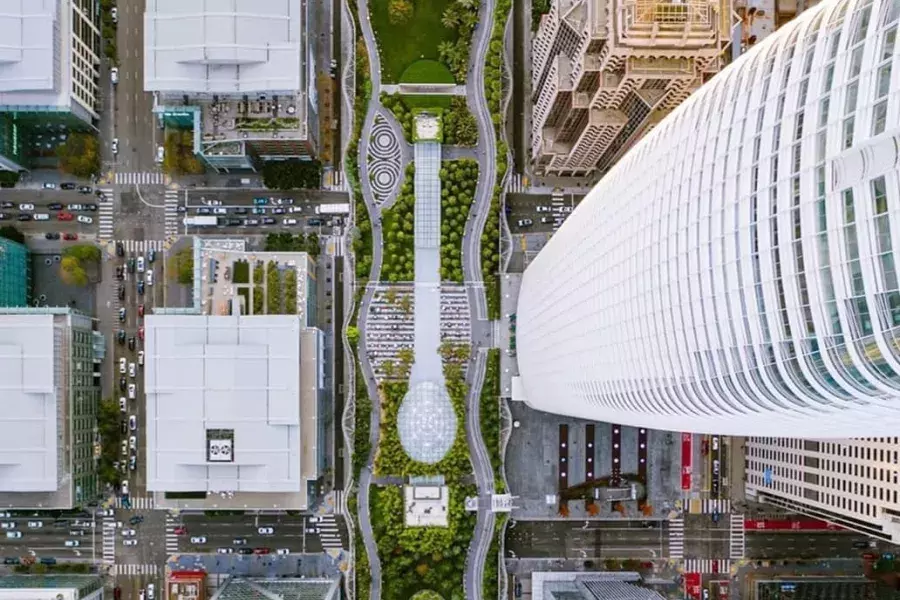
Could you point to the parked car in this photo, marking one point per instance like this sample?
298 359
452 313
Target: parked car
132 443
278 211
266 530
240 210
132 390
132 371
52 235
123 406
130 542
131 343
141 358
123 364
42 217
259 201
132 463
25 217
26 207
67 185
123 385
289 222
524 222
8 525
65 216
283 551
85 220
114 75
269 221
225 550
71 237
85 189
235 222
544 209
200 539
54 206
238 542
72 543
245 551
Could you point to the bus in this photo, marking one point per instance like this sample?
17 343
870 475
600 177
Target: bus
333 209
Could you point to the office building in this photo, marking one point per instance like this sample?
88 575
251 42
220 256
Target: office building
734 272
49 76
605 73
300 588
51 587
233 410
241 75
47 449
15 273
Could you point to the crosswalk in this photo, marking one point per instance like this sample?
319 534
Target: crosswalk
329 533
676 538
709 506
516 184
126 570
145 178
171 212
171 538
105 214
109 540
706 565
142 246
737 543
137 503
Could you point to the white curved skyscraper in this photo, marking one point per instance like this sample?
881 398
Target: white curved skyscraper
735 271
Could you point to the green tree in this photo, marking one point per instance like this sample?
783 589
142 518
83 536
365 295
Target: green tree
11 233
292 174
181 266
79 155
83 253
353 335
399 11
71 272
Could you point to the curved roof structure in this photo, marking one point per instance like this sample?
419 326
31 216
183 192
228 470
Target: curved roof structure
734 272
427 422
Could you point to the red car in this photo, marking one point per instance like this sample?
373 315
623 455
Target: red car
70 236
140 310
261 550
715 566
141 332
65 216
181 530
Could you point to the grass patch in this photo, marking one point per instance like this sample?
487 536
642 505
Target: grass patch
427 101
427 71
403 44
240 272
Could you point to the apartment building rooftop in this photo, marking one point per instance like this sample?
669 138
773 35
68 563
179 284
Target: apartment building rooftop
26 56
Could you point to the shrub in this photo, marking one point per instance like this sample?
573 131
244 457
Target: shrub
292 174
290 292
181 266
458 181
397 225
240 272
273 289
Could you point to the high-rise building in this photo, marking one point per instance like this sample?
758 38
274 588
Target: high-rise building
604 73
734 272
240 75
47 430
49 76
15 273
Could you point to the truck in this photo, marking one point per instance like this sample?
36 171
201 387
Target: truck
201 221
333 209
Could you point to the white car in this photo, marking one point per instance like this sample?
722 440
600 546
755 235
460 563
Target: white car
715 442
124 447
140 264
295 209
106 512
8 525
122 404
199 539
225 550
114 14
114 75
141 358
115 146
42 217
131 542
160 153
72 543
220 211
149 277
124 485
314 519
128 533
26 207
35 524
132 443
132 391
14 534
289 222
283 551
132 370
266 531
151 591
85 220
132 422
123 365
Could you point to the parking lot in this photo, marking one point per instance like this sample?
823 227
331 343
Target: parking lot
47 534
236 534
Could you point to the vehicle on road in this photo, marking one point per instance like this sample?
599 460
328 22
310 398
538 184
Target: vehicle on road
314 222
114 15
132 265
132 370
85 189
136 520
120 272
131 542
258 211
42 217
151 591
122 314
225 550
262 550
141 310
132 422
67 185
524 222
123 363
54 206
131 343
128 533
14 534
543 209
85 220
7 205
245 551
180 530
266 531
715 516
238 542
259 201
24 217
278 211
283 551
49 186
114 75
140 264
141 333
70 237
333 209
114 146
65 216
200 539
151 255
160 153
131 390
72 543
132 443
140 287
141 358
289 222
313 519
52 235
566 209
201 221
251 222
26 207
35 524
715 443
122 384
122 405
269 221
132 463
120 249
8 525
120 336
149 277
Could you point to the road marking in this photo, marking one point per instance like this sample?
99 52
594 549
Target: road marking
109 540
705 565
142 246
329 534
127 570
676 538
136 503
171 212
171 537
142 178
737 541
105 214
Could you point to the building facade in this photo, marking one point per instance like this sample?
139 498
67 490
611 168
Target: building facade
51 587
604 72
48 439
15 273
734 272
49 77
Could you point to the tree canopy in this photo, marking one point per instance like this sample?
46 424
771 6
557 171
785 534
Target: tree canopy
11 233
292 174
79 155
181 266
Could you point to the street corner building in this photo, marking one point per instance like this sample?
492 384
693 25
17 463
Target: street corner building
735 271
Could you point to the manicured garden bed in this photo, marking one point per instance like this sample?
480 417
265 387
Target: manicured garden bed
458 180
397 227
403 42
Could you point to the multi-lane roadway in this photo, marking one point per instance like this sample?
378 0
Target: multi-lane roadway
49 534
229 534
588 539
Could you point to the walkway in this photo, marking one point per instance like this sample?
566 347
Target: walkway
423 89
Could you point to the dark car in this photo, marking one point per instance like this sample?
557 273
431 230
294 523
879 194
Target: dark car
262 550
117 593
151 255
135 520
120 272
269 221
124 427
55 206
48 560
132 342
68 185
85 189
7 205
91 207
240 210
235 222
259 211
120 336
245 550
120 249
51 235
204 211
278 211
122 314
140 287
122 384
121 292
314 222
131 265
11 560
24 217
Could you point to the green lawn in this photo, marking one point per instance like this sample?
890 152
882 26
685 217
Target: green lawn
240 272
414 101
402 45
427 71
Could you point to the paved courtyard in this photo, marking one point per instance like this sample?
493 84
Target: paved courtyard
385 160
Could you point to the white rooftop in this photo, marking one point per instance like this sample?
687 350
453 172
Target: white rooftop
26 45
223 46
28 421
426 506
223 403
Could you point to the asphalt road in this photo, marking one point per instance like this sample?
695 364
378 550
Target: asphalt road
793 545
705 539
586 540
41 199
49 540
525 206
294 533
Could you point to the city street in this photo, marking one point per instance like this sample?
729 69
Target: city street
792 545
50 539
587 539
295 533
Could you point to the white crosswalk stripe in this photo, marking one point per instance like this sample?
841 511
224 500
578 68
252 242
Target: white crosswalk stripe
676 538
142 246
171 538
516 184
105 214
171 212
145 178
126 570
136 503
706 565
108 532
737 543
712 505
329 533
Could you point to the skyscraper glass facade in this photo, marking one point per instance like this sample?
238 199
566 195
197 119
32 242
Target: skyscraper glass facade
15 273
